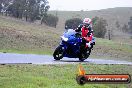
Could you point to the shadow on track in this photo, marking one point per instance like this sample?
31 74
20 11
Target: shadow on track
71 61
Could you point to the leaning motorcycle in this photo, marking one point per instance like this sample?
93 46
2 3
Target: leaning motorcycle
70 47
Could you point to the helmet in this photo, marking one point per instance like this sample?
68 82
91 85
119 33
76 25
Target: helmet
87 21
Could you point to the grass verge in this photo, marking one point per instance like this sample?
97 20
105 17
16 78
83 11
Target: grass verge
40 52
56 76
112 50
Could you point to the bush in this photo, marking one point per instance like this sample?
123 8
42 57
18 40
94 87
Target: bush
50 20
130 37
130 25
72 23
99 27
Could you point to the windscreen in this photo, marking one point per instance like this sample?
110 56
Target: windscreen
69 32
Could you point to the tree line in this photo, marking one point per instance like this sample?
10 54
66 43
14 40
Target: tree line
30 10
128 26
99 25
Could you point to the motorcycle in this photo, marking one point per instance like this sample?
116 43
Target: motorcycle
70 45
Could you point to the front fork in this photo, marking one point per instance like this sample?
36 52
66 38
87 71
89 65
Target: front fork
64 47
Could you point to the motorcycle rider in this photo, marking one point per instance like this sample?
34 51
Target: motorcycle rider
86 33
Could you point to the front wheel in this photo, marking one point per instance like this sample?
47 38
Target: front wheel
58 53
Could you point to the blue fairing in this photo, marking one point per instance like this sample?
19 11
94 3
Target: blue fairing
72 45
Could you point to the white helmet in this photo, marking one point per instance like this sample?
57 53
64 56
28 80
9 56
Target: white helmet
87 21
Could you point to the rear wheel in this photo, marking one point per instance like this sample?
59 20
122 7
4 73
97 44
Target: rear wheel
58 53
82 57
85 55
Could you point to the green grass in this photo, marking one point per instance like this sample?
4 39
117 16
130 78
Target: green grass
56 76
109 49
40 52
113 44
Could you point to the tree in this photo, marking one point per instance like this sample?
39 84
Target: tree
0 7
99 27
117 24
5 4
95 19
125 28
50 20
73 23
16 8
29 9
130 25
43 10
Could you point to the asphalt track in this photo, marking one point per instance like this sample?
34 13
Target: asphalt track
12 58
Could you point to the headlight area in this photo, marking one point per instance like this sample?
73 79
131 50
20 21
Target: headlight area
64 38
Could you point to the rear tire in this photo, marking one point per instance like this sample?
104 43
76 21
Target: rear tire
58 53
84 56
81 59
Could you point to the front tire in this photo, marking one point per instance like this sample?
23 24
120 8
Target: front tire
58 53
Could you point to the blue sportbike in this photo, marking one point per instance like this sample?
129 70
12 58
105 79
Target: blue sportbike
70 45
